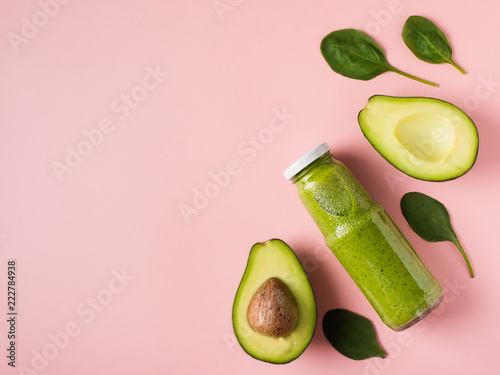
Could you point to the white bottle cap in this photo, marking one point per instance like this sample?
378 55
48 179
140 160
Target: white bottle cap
305 160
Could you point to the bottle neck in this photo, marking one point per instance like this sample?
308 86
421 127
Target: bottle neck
323 159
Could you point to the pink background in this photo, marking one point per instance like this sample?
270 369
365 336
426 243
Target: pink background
171 93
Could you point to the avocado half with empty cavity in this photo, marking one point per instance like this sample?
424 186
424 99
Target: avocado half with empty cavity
426 138
274 310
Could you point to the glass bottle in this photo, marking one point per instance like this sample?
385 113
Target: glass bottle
365 240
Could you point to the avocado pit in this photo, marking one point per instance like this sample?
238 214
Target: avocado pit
273 311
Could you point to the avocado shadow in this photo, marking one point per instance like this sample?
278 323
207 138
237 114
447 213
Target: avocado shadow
316 261
488 152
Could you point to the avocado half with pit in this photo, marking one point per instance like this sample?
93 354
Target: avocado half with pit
426 138
274 310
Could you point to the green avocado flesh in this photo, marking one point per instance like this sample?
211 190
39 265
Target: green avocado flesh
426 138
274 259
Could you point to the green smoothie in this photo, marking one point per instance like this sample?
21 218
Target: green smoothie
365 240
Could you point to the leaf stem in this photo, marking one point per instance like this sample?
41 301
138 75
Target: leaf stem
413 77
462 251
456 66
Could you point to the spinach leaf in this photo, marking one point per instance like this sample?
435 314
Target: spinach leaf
427 41
354 54
430 220
351 334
